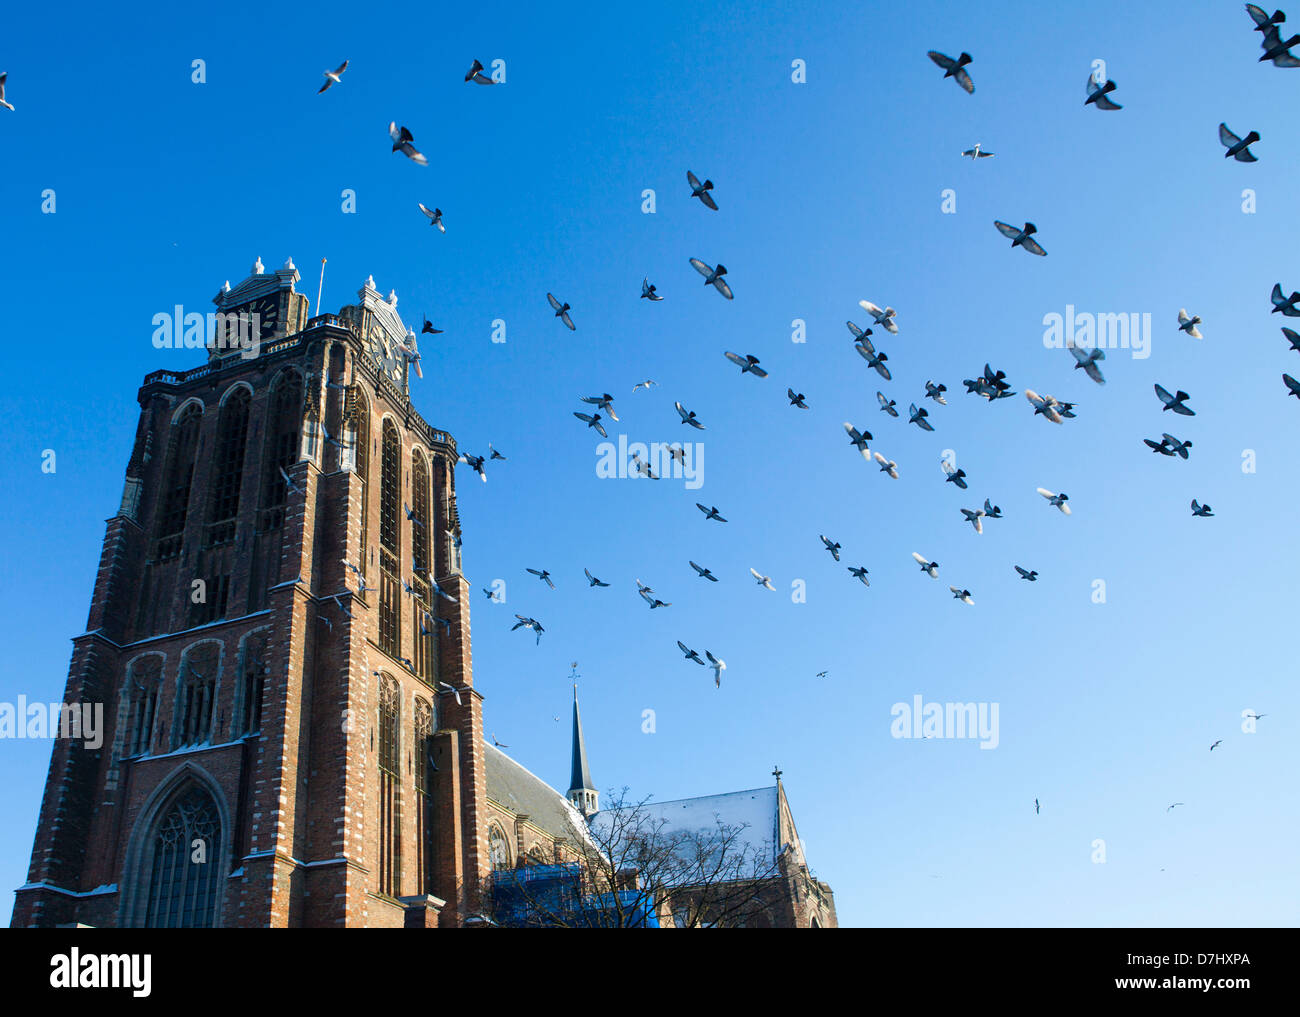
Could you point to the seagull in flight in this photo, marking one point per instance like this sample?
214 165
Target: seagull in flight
648 291
858 439
1201 510
796 399
690 654
404 142
710 513
593 420
1020 237
1098 92
762 580
688 416
886 465
605 403
962 595
701 190
931 568
476 75
1237 148
1031 575
593 580
1056 500
455 692
918 415
955 69
528 623
977 153
713 276
543 575
748 364
860 573
885 318
718 667
704 573
1088 360
888 405
832 546
1188 324
644 384
334 77
1175 402
562 311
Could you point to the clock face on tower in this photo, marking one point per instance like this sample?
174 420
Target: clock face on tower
385 352
267 310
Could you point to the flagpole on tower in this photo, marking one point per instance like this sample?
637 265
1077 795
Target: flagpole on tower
321 287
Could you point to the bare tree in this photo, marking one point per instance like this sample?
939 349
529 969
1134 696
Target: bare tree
630 868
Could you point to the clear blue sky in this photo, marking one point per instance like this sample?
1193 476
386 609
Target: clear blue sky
830 191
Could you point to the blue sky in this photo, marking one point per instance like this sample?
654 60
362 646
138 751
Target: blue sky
829 192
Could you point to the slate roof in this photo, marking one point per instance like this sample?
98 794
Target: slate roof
515 788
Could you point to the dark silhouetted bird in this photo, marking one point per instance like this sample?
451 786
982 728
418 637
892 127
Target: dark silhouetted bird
955 69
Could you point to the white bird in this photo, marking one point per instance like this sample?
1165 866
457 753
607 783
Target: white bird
1188 324
762 580
976 153
1046 405
974 518
885 318
1057 500
713 276
931 568
886 465
331 78
644 384
962 595
444 687
718 667
435 217
9 106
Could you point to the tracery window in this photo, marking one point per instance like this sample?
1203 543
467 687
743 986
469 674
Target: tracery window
423 765
184 873
390 825
178 478
498 848
192 723
390 570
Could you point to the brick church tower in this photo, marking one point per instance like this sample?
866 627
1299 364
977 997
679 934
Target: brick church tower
291 735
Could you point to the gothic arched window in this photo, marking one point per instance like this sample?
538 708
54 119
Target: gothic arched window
357 437
145 678
498 848
423 625
252 685
228 466
195 695
390 823
283 445
423 765
184 873
177 480
390 546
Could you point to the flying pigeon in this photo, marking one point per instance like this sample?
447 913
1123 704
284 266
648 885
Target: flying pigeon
331 440
886 465
954 476
294 488
410 514
435 216
1175 402
341 607
1037 807
796 399
476 75
428 328
1088 359
873 359
762 580
562 311
593 580
404 142
350 566
974 518
528 623
1021 237
962 595
690 654
918 415
328 624
1031 575
832 547
688 417
494 453
858 439
604 402
543 575
887 404
1046 405
885 318
718 667
1175 446
955 69
858 333
648 290
701 190
331 78
642 467
1065 409
435 588
1292 337
931 568
1160 447
992 511
1287 305
644 384
860 573
936 392
1056 500
1201 510
593 420
1279 50
1256 716
977 153
1291 384
748 364
710 513
499 745
656 602
475 463
1216 745
1174 806
713 277
1237 148
1263 21
703 572
1188 324
1097 94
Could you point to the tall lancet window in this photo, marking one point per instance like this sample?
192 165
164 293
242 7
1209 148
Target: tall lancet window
228 467
178 477
390 816
183 876
390 542
195 696
145 680
422 605
423 766
357 438
282 447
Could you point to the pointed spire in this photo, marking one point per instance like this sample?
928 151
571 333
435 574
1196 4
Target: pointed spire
582 791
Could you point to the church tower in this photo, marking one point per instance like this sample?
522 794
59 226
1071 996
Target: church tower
582 793
279 636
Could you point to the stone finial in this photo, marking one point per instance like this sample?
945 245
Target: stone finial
370 282
258 267
289 266
392 297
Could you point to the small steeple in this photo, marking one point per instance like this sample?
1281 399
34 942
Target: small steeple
582 793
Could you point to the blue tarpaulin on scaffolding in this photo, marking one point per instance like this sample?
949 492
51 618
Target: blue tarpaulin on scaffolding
540 895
